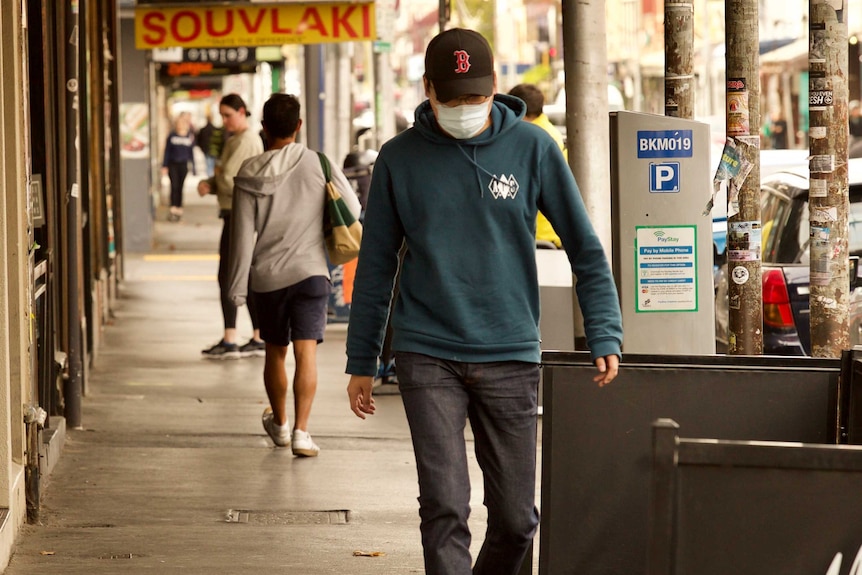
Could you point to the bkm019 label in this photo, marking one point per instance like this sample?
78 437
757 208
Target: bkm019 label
665 144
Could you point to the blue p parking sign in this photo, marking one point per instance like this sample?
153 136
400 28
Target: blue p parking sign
664 178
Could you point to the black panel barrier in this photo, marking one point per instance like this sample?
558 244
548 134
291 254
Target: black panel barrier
851 398
596 442
750 508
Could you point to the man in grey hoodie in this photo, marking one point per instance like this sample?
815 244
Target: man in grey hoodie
277 234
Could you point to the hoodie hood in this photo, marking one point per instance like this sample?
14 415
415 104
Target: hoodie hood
261 175
506 111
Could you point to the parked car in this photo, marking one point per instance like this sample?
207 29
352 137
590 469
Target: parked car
771 161
785 263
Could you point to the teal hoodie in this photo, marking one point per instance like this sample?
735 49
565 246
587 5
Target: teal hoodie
467 211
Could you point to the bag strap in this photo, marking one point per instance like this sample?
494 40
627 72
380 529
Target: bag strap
324 163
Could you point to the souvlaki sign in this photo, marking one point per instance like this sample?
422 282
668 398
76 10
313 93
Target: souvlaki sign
215 26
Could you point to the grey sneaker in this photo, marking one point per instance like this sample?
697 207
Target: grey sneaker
302 444
254 348
222 350
279 436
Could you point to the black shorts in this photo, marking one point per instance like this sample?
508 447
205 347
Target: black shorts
297 312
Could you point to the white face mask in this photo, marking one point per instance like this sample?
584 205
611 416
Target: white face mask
463 122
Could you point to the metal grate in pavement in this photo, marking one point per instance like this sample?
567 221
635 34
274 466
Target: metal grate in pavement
266 518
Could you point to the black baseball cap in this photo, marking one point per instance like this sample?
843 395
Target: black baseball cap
459 62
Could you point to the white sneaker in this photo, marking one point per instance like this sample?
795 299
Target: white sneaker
303 446
280 435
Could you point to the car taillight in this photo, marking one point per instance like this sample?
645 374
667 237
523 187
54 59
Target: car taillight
776 302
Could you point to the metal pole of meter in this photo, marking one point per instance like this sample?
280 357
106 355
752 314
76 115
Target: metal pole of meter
745 304
828 190
679 59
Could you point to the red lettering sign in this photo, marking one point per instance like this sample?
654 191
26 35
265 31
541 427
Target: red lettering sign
276 29
366 21
311 14
224 25
341 21
252 28
211 26
189 68
150 22
196 26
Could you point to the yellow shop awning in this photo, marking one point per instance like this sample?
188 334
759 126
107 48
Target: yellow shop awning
221 25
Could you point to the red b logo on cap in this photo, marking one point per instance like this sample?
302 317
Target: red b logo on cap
462 61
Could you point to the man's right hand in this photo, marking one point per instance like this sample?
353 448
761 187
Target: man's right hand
203 188
359 392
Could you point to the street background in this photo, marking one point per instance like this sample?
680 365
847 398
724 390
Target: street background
172 447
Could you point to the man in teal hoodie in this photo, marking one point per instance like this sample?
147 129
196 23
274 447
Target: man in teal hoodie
462 189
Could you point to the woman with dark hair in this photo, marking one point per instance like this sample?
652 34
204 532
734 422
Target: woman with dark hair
242 144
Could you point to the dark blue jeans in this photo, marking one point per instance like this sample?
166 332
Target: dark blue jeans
500 400
177 173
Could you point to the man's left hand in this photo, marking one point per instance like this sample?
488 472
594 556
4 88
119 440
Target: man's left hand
608 367
359 391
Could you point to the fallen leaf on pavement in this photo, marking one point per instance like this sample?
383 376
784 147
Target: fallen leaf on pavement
368 554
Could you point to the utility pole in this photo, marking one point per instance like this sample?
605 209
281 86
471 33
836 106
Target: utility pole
585 60
828 198
707 92
315 92
443 14
384 109
632 27
384 95
679 59
745 290
73 386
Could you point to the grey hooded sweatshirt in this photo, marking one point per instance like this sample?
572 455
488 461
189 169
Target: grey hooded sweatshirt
277 223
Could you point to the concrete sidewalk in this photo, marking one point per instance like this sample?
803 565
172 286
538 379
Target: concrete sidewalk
172 471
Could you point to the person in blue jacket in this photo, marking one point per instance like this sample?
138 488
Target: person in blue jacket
461 189
179 155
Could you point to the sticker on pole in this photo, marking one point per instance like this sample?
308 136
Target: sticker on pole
739 275
665 143
664 178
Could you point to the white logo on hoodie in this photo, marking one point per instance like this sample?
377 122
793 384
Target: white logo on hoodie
504 187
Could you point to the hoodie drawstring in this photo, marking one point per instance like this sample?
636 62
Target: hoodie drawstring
477 167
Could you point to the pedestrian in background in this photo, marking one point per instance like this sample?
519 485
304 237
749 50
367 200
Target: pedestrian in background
535 101
179 153
277 234
777 131
240 146
462 188
855 120
205 142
